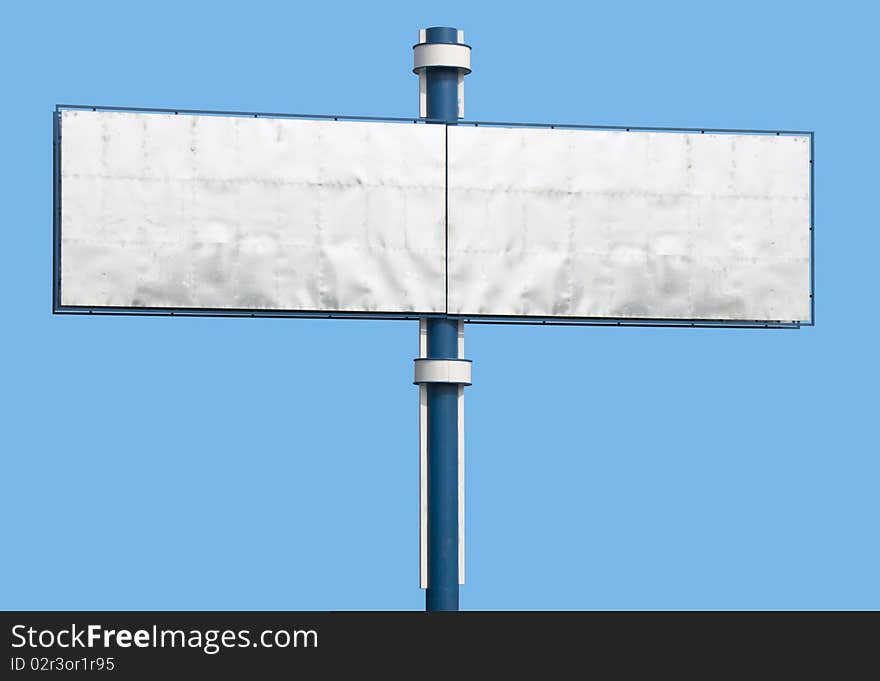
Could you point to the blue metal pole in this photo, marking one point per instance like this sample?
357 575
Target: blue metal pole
442 591
442 80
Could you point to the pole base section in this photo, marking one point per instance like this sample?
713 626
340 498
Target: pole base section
441 599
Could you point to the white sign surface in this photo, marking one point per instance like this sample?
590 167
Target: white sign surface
221 212
655 225
225 212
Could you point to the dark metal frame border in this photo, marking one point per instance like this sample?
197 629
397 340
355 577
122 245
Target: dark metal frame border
58 308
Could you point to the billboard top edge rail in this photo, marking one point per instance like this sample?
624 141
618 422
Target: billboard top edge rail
416 120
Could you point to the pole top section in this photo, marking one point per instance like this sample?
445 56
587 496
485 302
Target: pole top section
441 47
441 34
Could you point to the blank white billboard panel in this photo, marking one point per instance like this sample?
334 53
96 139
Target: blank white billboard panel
654 225
228 212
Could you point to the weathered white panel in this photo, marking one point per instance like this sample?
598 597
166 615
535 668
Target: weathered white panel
191 211
585 223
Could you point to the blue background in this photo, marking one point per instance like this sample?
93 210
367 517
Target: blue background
219 463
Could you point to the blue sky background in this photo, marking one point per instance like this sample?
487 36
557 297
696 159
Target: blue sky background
157 463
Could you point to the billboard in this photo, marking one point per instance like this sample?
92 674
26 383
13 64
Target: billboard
628 224
163 212
177 212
